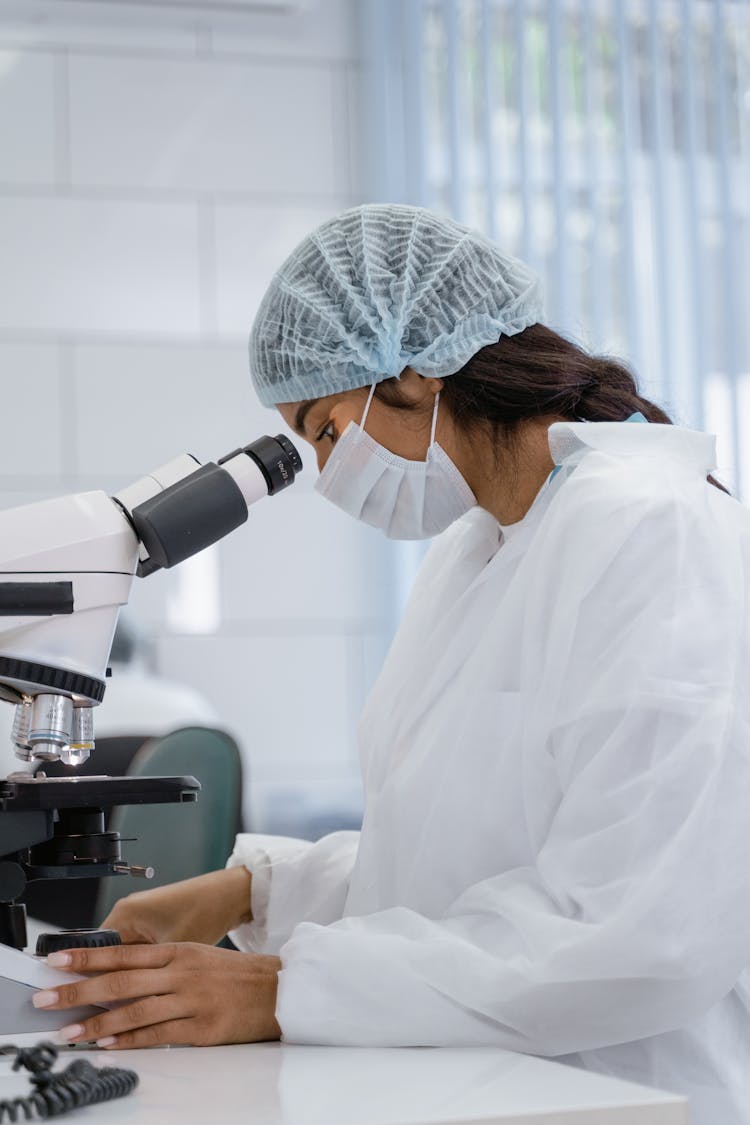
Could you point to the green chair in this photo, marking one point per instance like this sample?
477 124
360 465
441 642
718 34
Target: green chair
179 841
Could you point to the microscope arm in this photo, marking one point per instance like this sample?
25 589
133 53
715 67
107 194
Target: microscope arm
67 565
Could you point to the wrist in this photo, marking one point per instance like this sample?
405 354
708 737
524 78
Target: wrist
239 887
275 966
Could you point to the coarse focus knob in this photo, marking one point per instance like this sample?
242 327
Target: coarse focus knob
76 939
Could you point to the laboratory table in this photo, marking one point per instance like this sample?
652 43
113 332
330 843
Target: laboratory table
283 1084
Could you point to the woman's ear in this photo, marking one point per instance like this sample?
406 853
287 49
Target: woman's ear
419 390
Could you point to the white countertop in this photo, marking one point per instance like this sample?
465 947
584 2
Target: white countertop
281 1084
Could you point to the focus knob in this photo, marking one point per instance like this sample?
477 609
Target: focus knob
75 939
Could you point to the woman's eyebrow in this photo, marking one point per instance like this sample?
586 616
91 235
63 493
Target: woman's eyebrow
302 412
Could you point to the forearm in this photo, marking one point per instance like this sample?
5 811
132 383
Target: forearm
398 979
224 896
202 909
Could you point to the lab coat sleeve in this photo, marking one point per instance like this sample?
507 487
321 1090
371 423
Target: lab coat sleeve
635 916
292 881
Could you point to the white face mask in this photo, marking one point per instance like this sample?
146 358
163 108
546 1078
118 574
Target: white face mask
405 499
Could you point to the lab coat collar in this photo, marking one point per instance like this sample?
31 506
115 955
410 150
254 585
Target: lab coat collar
568 441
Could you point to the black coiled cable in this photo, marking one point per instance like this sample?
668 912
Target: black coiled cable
78 1085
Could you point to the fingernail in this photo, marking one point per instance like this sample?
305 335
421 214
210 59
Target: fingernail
57 960
44 999
107 1041
72 1031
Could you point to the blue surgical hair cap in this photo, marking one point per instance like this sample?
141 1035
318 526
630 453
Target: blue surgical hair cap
379 288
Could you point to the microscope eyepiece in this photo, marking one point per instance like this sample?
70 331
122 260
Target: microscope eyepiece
276 457
205 505
291 452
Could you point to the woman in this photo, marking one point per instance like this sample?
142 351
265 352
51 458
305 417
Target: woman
554 856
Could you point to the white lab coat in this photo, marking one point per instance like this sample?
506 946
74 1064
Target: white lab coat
555 853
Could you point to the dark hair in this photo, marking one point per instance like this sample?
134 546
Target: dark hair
534 374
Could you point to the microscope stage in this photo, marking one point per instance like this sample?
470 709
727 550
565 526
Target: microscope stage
94 792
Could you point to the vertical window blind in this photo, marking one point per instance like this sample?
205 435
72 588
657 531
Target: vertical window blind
607 143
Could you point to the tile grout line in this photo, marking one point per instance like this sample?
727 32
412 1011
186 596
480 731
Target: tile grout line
353 95
342 119
124 193
207 273
63 161
133 338
179 54
68 413
203 41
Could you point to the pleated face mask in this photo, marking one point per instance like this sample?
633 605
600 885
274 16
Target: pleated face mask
405 499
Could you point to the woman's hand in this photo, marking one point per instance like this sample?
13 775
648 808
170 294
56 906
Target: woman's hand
181 994
203 909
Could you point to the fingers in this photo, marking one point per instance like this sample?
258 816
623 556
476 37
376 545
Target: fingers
113 974
174 1033
112 957
183 993
127 932
131 924
107 989
144 1015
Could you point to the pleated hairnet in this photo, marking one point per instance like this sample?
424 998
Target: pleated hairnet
379 288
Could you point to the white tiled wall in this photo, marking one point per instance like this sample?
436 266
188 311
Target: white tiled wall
250 243
31 438
73 266
142 402
28 153
154 170
228 125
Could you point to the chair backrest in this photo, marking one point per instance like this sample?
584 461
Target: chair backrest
179 841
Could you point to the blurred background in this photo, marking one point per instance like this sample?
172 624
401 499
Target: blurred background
159 159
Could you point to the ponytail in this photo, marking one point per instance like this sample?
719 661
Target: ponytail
534 374
611 395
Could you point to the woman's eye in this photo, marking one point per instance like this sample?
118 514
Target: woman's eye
328 432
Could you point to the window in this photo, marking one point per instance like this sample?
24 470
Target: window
606 142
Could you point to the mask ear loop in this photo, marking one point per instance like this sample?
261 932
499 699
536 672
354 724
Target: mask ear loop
363 419
434 419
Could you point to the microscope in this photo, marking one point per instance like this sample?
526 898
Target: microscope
67 567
